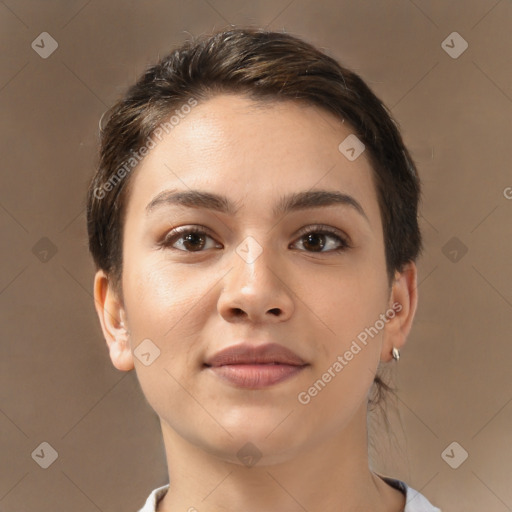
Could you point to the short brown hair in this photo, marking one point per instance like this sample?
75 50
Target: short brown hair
262 65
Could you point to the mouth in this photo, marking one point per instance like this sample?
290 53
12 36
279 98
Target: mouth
255 367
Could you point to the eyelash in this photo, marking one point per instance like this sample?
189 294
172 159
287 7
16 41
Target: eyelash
326 230
178 233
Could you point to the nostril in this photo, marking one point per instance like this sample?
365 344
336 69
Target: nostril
275 311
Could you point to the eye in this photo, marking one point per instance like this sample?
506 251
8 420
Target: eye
197 239
189 239
318 238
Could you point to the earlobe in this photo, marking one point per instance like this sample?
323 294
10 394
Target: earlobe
403 301
112 319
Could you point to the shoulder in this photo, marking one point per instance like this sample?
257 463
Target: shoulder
414 501
154 498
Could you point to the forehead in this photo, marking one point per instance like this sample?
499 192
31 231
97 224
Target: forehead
234 146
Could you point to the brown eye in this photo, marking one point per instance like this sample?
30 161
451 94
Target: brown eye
317 238
193 239
314 241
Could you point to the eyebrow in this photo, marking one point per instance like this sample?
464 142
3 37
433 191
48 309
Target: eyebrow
286 204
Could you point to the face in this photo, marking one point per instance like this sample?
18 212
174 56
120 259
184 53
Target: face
266 260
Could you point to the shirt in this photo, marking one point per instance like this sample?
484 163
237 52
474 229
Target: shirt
414 501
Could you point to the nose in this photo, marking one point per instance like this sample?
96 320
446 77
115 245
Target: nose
256 289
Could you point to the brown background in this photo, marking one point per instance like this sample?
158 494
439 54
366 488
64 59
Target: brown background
57 384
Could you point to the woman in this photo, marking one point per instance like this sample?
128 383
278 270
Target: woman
253 221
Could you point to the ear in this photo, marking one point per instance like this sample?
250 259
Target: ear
112 319
403 302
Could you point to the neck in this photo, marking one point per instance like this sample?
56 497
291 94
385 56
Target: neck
333 475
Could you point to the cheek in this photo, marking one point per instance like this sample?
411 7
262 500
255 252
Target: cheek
161 290
162 304
351 307
348 302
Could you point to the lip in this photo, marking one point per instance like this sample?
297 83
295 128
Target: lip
255 367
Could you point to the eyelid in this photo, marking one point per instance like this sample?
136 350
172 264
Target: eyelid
187 228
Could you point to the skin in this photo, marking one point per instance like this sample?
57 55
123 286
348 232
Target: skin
193 303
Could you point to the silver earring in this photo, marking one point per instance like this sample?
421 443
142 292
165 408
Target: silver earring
396 354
